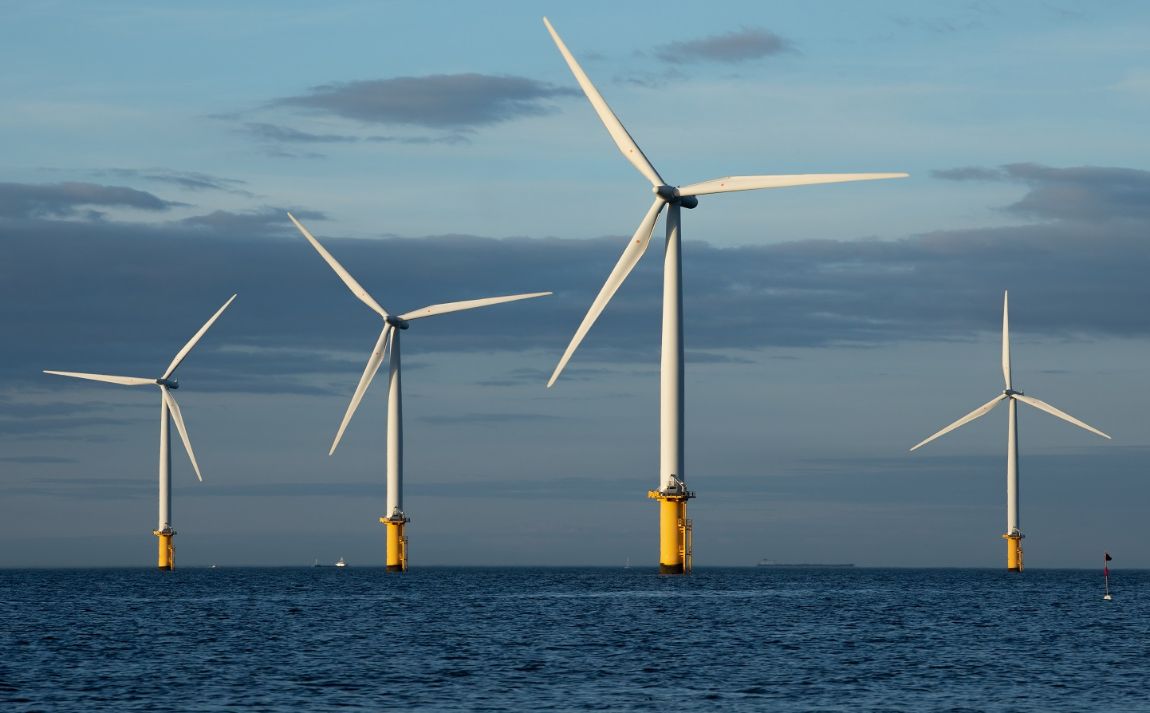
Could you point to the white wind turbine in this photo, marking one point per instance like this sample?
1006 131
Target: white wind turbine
395 518
672 492
1013 534
169 411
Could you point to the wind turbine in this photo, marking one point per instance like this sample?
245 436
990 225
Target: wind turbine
674 528
396 518
169 411
1013 534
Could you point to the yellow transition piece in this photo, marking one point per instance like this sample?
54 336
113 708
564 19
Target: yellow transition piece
396 544
1013 552
674 545
166 556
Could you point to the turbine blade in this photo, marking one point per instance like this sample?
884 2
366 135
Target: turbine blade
174 409
373 362
432 310
1043 406
355 287
627 261
729 184
978 412
1005 341
195 339
124 380
623 140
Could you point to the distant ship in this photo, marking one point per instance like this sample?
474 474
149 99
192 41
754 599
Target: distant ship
802 565
341 563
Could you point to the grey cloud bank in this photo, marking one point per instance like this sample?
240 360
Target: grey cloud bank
1078 193
188 180
261 221
440 101
729 48
60 200
1072 278
276 133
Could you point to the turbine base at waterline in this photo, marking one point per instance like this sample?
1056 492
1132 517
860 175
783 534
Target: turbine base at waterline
676 532
1013 551
396 541
166 554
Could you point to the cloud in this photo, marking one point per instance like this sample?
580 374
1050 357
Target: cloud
54 427
188 180
1078 193
968 173
24 409
729 48
275 132
286 134
64 200
29 418
440 101
133 293
450 139
1082 193
262 221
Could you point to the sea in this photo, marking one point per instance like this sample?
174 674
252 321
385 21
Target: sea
578 639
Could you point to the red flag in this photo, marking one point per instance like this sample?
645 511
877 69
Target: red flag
1105 571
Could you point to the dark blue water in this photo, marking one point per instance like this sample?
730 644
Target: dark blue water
572 639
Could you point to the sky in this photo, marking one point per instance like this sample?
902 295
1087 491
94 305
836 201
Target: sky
443 151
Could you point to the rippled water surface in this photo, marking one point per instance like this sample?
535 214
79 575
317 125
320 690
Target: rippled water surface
572 639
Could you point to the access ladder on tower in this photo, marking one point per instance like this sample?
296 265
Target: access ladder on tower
686 543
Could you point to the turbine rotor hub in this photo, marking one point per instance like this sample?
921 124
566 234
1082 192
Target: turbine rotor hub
397 322
671 195
170 383
1012 392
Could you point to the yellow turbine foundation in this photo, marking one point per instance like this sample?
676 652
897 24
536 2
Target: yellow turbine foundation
396 544
675 531
166 554
1013 551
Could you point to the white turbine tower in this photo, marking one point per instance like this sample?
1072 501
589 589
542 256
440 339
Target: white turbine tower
169 411
674 548
396 518
1013 534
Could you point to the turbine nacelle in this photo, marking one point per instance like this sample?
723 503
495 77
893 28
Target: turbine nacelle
1013 392
397 322
170 383
671 195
